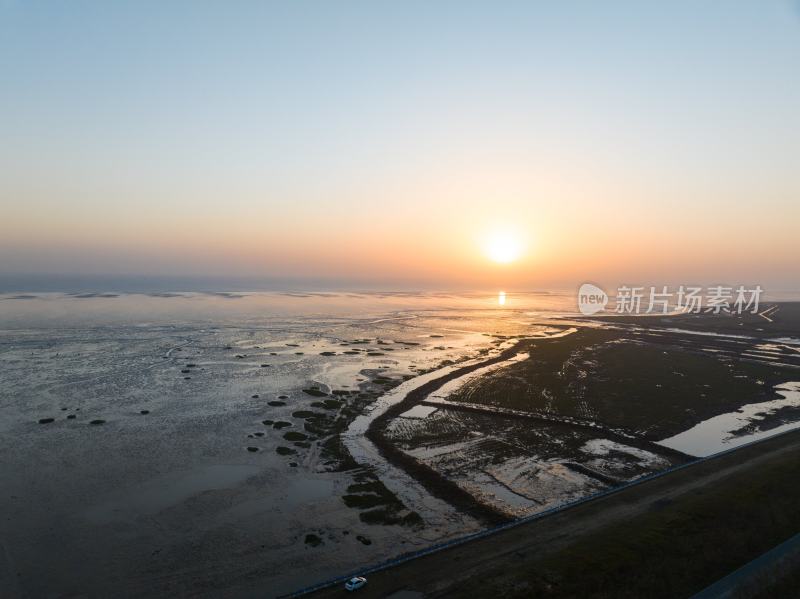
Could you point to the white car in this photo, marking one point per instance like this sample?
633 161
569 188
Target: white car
355 583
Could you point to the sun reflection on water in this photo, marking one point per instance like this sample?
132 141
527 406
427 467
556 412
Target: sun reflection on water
501 298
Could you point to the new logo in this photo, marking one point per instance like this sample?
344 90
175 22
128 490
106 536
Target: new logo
591 299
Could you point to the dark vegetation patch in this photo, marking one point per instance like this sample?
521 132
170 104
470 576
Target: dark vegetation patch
378 504
321 426
303 414
655 386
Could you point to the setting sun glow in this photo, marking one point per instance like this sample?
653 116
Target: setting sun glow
502 247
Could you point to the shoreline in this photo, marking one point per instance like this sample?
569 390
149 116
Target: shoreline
434 483
364 440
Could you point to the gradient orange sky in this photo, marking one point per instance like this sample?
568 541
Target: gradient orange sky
655 144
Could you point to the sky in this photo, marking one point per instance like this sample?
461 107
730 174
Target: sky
383 143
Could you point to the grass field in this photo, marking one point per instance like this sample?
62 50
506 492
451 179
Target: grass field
652 384
674 550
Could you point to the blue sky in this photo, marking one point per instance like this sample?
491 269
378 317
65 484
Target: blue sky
150 137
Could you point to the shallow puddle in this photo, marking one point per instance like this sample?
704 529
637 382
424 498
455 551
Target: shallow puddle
715 434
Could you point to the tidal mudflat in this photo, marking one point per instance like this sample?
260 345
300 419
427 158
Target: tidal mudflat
191 443
250 444
613 400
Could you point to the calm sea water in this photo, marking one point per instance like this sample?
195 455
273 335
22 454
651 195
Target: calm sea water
54 309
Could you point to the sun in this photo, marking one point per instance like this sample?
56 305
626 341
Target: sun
502 246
